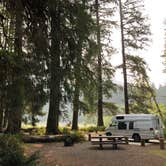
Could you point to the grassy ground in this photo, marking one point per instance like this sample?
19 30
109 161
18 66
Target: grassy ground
161 153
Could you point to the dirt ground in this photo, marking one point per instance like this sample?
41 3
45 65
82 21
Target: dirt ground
85 154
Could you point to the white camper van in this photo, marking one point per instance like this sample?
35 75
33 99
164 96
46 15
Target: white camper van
136 126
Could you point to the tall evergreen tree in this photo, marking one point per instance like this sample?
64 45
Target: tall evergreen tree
134 35
124 60
140 99
23 71
55 69
15 114
104 26
7 28
100 121
82 31
37 60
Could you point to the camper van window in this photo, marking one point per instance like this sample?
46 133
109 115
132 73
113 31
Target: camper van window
120 117
122 126
131 125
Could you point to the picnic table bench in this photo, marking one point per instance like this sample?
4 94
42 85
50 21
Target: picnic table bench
103 139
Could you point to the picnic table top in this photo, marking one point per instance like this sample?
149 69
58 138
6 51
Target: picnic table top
105 136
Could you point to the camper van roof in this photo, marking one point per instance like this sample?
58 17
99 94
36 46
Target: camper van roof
135 116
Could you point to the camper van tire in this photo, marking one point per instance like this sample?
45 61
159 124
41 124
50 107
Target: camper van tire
136 137
108 134
147 140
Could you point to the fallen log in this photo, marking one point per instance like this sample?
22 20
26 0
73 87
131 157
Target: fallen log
42 139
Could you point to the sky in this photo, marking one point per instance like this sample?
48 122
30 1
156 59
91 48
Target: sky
156 11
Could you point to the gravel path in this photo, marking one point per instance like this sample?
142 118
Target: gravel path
84 154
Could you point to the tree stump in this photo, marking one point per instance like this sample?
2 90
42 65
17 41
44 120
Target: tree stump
162 143
68 141
142 142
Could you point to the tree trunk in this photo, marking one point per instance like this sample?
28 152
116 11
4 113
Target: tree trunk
155 102
33 121
124 60
15 111
55 71
77 86
1 113
15 114
100 121
6 117
76 106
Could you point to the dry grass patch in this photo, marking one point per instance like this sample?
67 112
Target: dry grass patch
161 153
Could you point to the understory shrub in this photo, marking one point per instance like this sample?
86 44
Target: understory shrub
93 128
76 136
65 130
12 154
34 130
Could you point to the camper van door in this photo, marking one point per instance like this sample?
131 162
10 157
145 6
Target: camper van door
122 128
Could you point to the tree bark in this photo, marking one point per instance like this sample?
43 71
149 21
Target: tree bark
100 121
55 70
1 113
6 117
124 60
77 86
76 106
15 113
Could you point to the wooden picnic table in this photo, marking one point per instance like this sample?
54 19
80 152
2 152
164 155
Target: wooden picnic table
103 139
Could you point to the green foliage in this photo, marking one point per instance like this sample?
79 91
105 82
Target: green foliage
75 135
111 108
38 131
164 52
140 92
93 128
136 27
65 130
11 89
154 110
73 46
135 32
41 131
34 130
107 120
11 153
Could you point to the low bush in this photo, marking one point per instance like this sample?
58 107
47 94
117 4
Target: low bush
77 136
40 131
34 131
93 129
65 130
12 154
